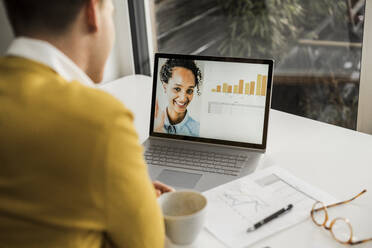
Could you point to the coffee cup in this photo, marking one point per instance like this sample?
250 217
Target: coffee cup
184 214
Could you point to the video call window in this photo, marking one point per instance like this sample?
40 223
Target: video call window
211 99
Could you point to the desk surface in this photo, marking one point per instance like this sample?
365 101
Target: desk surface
335 159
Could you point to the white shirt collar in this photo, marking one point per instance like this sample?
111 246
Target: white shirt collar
45 53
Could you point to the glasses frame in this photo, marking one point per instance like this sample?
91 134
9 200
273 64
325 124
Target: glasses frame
329 228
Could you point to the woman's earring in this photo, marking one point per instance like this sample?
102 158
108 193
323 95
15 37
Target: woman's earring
165 88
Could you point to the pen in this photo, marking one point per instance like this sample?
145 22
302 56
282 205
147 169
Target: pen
270 218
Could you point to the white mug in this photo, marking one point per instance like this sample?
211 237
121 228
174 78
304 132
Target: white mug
184 215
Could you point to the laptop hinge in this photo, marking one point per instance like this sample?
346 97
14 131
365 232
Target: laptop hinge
208 144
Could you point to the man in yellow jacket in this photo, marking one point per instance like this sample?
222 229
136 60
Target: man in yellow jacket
72 172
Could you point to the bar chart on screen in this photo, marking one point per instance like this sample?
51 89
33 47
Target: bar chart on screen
234 98
252 88
242 98
237 109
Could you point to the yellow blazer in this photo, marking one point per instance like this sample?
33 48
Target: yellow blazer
72 173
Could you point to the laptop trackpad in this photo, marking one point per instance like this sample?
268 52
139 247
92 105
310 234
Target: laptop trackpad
179 179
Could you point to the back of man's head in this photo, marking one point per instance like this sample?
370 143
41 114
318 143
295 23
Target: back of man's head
81 29
51 16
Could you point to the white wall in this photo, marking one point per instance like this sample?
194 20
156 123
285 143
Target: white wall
120 62
6 34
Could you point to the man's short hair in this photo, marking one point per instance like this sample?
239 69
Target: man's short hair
52 16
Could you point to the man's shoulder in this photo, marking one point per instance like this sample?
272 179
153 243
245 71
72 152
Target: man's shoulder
41 86
10 65
94 103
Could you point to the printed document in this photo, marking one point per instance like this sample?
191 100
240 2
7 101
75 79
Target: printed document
238 205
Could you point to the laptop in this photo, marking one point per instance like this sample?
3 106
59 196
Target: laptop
209 119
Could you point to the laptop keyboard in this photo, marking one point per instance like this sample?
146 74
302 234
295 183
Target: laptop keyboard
195 160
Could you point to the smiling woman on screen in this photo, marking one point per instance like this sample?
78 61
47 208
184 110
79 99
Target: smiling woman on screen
180 79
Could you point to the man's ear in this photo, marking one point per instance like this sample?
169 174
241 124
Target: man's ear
91 13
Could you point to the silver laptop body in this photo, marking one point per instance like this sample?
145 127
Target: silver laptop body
209 119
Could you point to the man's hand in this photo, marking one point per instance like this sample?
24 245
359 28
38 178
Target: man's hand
161 188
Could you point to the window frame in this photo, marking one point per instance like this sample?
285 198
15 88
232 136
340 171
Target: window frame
138 24
364 119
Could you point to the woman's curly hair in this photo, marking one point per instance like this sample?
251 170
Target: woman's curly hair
167 70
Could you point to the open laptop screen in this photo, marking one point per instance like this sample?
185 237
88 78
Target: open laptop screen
209 99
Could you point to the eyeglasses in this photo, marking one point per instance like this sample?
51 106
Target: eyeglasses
340 228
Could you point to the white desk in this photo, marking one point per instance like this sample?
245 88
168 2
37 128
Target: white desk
335 159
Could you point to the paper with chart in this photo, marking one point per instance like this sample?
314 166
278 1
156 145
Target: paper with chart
235 206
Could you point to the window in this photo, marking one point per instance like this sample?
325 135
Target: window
317 46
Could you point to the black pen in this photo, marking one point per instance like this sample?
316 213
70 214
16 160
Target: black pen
270 218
